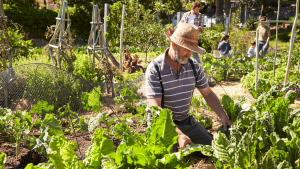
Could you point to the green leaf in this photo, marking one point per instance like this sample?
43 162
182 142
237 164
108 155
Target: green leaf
253 93
61 153
31 166
291 95
205 121
142 158
101 146
165 128
94 121
284 165
94 99
221 147
54 127
42 108
2 160
268 160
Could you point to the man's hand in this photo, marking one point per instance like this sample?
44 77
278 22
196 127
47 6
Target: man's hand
226 122
265 46
183 140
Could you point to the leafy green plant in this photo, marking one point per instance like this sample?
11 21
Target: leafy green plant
101 117
205 121
127 118
91 101
232 109
128 97
76 123
250 23
140 119
2 160
17 126
100 148
152 150
61 153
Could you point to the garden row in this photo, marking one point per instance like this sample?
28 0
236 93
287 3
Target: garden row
266 136
133 152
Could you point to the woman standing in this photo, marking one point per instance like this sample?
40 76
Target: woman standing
224 46
194 17
264 34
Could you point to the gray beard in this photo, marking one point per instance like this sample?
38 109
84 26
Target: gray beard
179 59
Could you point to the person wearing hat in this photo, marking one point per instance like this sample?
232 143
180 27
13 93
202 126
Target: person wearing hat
194 17
170 82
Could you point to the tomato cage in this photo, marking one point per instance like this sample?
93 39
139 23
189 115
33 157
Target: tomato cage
27 84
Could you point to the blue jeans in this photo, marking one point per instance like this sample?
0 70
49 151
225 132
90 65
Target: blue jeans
261 46
196 57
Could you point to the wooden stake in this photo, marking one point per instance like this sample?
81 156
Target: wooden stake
256 63
291 43
274 64
121 38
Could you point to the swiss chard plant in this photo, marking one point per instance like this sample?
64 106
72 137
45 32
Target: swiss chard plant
17 126
152 150
95 122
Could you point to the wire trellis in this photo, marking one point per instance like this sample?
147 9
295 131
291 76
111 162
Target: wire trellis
23 86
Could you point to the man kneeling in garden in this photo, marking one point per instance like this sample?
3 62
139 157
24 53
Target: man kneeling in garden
171 79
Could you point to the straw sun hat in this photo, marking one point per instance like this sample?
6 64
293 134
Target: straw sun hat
185 35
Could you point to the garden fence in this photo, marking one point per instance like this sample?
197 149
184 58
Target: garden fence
23 86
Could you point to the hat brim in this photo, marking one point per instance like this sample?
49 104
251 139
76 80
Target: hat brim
185 44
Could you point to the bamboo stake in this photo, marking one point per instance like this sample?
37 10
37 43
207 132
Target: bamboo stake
292 43
256 63
121 38
274 64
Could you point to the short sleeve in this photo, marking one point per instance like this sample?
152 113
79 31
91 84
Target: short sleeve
153 87
249 51
201 81
219 46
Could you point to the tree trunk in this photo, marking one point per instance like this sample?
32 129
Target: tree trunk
227 7
219 8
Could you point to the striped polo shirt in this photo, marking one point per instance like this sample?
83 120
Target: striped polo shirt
178 88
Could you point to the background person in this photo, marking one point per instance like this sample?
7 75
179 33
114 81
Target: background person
194 17
251 52
177 72
224 46
264 34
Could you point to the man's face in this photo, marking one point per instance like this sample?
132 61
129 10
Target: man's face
196 10
182 54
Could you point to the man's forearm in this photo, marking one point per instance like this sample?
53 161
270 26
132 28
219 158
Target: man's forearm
213 102
268 40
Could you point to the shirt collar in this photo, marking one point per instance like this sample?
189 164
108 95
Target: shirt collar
190 13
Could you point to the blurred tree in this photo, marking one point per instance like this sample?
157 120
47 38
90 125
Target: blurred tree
219 8
22 3
227 7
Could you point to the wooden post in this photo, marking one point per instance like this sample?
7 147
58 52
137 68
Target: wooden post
256 63
245 14
178 17
121 38
274 64
61 32
292 43
106 13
